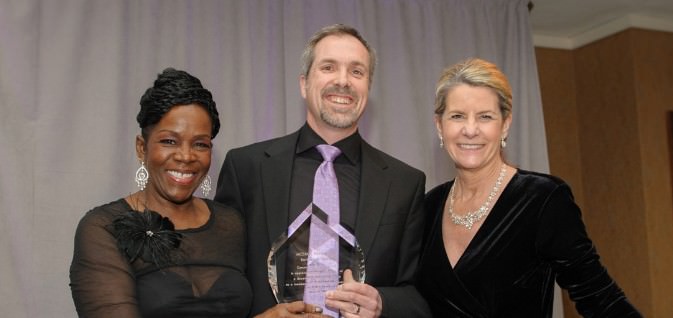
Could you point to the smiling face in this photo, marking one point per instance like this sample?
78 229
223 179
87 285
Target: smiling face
472 126
337 85
177 153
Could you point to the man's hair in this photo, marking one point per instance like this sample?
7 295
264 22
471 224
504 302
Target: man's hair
308 55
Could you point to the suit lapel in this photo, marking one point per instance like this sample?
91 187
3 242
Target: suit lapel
276 178
374 190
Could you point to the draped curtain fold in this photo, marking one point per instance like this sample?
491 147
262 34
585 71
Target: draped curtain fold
72 73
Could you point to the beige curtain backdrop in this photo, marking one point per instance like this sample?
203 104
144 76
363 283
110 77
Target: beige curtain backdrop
72 73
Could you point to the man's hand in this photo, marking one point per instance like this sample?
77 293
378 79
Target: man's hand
354 299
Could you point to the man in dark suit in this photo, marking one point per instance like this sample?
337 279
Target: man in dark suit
380 197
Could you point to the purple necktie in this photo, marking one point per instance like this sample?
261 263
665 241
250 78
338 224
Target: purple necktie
322 273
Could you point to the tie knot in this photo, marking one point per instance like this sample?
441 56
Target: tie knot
328 152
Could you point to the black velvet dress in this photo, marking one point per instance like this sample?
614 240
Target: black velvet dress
205 278
533 236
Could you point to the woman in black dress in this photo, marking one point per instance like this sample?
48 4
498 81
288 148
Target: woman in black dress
498 237
161 251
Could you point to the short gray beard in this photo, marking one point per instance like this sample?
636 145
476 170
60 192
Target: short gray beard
335 122
333 119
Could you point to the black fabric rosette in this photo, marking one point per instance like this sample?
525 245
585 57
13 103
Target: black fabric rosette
146 235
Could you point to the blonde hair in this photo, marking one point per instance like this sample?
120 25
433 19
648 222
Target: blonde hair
474 72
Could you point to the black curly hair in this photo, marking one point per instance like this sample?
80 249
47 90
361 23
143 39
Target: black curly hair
175 88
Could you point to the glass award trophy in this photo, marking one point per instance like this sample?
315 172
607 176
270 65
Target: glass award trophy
289 256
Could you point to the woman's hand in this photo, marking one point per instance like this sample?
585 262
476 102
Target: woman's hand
293 309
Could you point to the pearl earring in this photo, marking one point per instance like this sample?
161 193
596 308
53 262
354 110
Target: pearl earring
441 142
503 143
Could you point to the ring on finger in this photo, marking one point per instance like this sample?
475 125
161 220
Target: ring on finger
357 308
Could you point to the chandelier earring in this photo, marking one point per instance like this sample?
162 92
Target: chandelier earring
503 142
206 185
142 175
441 142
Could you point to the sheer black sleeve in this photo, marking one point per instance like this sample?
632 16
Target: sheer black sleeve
101 279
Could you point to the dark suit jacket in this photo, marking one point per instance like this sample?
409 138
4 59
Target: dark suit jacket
255 180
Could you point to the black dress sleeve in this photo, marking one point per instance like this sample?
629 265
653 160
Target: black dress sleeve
562 241
101 280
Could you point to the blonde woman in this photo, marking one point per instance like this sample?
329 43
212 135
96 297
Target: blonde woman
497 237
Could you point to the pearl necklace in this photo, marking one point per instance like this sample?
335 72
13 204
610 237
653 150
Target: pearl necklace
470 218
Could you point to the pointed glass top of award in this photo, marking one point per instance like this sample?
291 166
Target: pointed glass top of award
289 256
